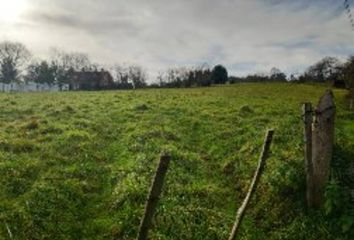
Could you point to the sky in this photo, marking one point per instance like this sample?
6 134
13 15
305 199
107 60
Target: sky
246 36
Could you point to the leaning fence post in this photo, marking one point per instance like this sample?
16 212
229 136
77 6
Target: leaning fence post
308 117
261 163
322 146
155 191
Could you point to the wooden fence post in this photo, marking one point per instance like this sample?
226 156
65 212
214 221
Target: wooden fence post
155 191
254 183
322 147
308 118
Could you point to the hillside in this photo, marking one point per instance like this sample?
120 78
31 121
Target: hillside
78 165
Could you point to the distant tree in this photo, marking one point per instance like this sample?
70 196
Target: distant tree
257 78
326 69
65 64
219 75
41 73
276 75
8 72
171 80
13 58
185 77
137 76
182 77
348 73
175 77
233 79
72 60
80 61
293 78
203 76
160 78
121 76
127 77
189 79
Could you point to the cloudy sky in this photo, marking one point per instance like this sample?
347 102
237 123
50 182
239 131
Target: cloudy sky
244 35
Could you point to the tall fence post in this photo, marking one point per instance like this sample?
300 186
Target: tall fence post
307 112
322 147
155 191
261 164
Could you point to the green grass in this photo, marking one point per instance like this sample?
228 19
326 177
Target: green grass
78 165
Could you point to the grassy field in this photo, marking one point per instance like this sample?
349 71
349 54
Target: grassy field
78 165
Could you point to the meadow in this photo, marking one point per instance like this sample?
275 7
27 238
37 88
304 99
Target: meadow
78 165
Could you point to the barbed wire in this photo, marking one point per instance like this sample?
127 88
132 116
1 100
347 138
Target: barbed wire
349 13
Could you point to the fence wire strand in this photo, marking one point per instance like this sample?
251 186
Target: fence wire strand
349 13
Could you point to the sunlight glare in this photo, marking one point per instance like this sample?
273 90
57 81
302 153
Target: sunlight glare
10 10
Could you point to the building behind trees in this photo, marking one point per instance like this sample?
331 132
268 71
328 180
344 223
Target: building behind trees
91 80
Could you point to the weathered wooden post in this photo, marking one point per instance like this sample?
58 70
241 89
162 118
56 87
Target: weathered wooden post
322 147
261 164
155 191
308 117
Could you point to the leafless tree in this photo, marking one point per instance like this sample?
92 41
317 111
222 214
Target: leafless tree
71 60
13 58
65 63
121 76
130 76
138 76
120 73
160 78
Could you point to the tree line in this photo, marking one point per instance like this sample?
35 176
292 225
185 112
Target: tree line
17 64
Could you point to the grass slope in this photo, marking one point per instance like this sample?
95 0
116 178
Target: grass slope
78 165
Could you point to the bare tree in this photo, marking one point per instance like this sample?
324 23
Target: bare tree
79 61
121 73
13 58
185 76
75 60
129 76
174 77
137 76
65 63
121 76
160 78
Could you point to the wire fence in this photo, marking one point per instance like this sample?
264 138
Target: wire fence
349 13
